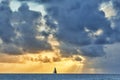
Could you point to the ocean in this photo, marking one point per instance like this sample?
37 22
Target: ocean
59 76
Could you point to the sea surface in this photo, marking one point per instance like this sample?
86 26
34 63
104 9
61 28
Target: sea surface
59 76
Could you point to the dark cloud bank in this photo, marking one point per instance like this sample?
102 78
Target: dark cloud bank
78 22
18 30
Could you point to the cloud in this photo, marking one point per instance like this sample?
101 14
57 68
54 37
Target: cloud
82 24
80 27
20 29
116 19
108 9
107 64
6 29
4 58
40 1
93 50
73 19
27 22
10 49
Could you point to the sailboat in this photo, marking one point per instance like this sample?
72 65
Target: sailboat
55 71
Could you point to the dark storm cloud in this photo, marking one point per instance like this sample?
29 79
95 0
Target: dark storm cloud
77 23
93 50
107 64
27 26
18 30
41 1
10 49
116 21
116 4
73 17
6 29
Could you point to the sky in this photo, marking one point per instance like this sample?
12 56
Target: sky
75 36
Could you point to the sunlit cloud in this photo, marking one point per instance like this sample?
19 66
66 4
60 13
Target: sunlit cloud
108 9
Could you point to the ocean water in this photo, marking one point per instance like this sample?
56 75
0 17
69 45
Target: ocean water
59 76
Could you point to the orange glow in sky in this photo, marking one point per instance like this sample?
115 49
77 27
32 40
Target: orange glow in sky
42 62
23 65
